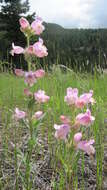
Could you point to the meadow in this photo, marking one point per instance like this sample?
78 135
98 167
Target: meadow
52 119
46 154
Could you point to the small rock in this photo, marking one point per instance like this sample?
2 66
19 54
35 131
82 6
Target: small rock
105 185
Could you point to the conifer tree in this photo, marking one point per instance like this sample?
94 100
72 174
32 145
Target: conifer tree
11 11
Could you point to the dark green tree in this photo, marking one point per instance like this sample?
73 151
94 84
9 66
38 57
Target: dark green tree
11 10
10 13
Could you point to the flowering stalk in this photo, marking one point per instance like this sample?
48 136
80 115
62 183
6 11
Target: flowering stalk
69 132
38 50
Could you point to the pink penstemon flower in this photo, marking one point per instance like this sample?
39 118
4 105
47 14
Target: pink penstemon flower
30 78
87 146
84 99
19 114
37 26
87 96
24 23
19 72
84 145
39 73
16 50
72 95
37 115
27 92
64 119
77 137
61 131
41 97
84 118
39 49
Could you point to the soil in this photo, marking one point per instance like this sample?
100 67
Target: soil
44 172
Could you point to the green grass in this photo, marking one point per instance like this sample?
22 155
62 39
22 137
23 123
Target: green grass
55 84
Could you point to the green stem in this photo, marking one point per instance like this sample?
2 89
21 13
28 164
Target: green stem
28 61
16 166
29 155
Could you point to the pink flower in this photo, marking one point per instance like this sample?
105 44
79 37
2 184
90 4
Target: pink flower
19 114
41 97
77 137
84 118
37 26
84 99
39 49
27 92
19 72
39 73
72 95
86 146
64 119
30 78
24 23
16 50
37 115
61 131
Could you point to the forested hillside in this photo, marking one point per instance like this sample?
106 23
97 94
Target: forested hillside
77 47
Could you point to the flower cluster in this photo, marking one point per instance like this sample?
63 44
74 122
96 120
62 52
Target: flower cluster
30 117
31 77
19 115
72 98
36 28
82 119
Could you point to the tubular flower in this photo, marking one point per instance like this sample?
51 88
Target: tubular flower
77 137
24 23
62 131
30 78
84 99
37 115
84 118
41 97
16 50
86 146
19 72
19 114
64 119
27 92
37 26
72 95
39 73
39 49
